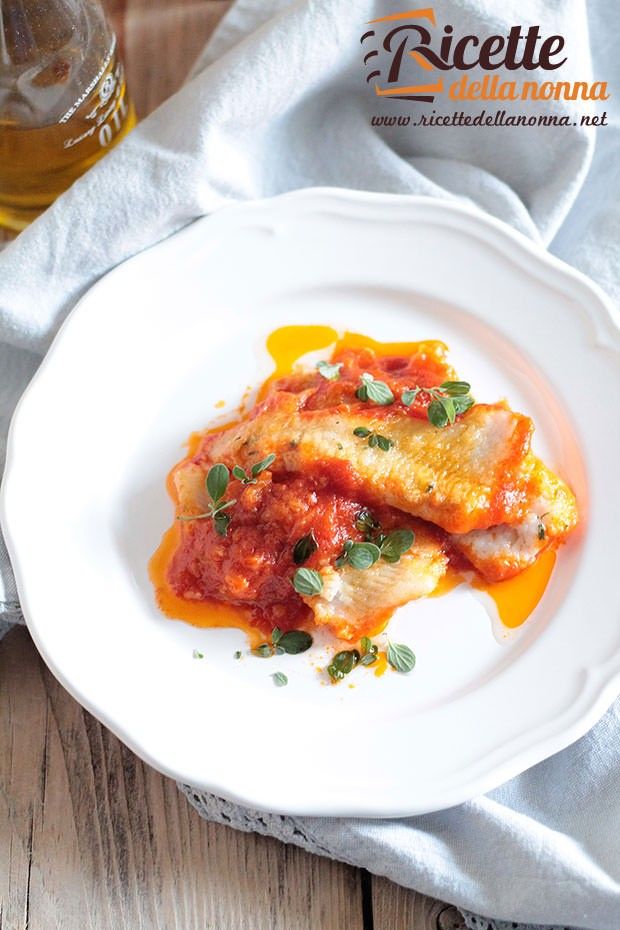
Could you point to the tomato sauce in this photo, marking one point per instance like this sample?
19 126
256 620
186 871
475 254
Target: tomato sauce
253 564
244 578
425 367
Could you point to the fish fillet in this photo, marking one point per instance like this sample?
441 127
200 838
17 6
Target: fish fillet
465 477
352 601
505 550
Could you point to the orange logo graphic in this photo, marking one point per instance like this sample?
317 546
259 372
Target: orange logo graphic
394 43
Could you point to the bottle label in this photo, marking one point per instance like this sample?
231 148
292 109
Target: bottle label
87 90
108 111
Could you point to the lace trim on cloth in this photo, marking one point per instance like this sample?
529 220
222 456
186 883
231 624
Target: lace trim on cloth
285 829
10 614
290 830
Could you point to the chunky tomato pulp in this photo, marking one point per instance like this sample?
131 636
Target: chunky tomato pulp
252 565
426 368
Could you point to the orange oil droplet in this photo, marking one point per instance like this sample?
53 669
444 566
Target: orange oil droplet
517 597
514 599
288 344
381 664
451 580
197 613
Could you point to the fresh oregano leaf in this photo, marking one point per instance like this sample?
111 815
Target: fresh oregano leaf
455 388
343 663
304 548
368 659
365 522
261 466
263 651
396 544
408 397
295 641
384 443
340 561
446 401
448 405
329 372
375 440
363 555
540 527
221 522
437 415
218 477
376 391
240 474
463 403
307 581
400 657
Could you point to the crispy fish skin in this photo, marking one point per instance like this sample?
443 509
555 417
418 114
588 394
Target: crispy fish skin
352 601
465 477
503 551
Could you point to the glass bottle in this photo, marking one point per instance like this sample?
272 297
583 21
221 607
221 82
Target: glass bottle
63 100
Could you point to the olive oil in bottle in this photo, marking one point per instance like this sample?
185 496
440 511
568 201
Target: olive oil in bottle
63 100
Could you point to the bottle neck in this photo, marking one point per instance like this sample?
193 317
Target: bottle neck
50 52
31 28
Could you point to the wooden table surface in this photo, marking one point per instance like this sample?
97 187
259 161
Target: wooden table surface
91 838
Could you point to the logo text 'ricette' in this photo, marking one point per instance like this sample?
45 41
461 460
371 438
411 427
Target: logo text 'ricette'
395 40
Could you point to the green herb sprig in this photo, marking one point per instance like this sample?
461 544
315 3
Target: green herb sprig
363 555
375 440
376 391
541 532
366 523
345 661
279 679
257 468
395 544
292 643
370 652
216 484
360 555
304 548
400 657
329 372
307 581
447 401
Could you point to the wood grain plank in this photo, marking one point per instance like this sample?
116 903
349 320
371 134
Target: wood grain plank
160 42
94 839
397 908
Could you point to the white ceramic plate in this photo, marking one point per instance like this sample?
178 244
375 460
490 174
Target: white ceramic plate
141 363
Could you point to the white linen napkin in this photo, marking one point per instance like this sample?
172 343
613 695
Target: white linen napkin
278 101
